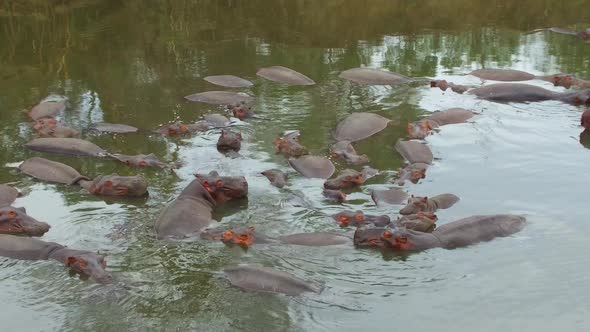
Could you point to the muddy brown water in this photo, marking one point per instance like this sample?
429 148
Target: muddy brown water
132 62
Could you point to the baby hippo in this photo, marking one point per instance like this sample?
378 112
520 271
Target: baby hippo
347 179
229 141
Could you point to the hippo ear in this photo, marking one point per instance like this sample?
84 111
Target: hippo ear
22 209
70 260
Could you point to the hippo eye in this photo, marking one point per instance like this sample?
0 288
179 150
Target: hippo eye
387 235
11 215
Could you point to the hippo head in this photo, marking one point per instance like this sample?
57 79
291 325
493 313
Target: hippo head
175 129
229 140
346 218
355 159
564 80
348 180
396 239
242 111
223 188
115 185
289 146
421 129
15 221
243 239
578 98
415 204
140 160
88 264
45 123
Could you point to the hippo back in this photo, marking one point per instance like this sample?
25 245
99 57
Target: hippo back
476 229
513 92
25 247
50 171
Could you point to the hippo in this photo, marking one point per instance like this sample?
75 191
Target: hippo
116 185
229 141
412 172
190 212
276 177
313 166
369 172
8 195
506 75
422 128
522 93
114 128
141 160
351 218
228 81
48 109
220 97
112 185
584 34
414 152
179 129
216 120
420 222
267 280
288 145
373 76
393 196
444 85
315 239
334 195
67 146
456 234
585 120
360 125
424 204
345 150
84 263
284 75
15 221
347 179
243 237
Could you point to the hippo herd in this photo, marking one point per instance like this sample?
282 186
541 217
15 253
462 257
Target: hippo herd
189 215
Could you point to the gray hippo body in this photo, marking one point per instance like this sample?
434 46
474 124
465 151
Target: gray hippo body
67 146
523 93
268 280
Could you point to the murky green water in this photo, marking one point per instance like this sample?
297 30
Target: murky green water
133 61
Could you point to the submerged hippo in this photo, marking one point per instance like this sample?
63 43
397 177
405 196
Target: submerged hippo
284 75
48 109
228 81
288 145
141 160
268 280
243 237
67 146
85 263
414 152
347 179
522 93
49 127
276 177
584 34
220 97
456 234
15 221
114 128
313 166
585 120
420 222
358 218
334 195
393 196
229 140
180 129
360 125
345 150
424 204
422 128
190 212
111 185
373 76
8 195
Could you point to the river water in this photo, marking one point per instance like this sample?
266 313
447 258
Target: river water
133 61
